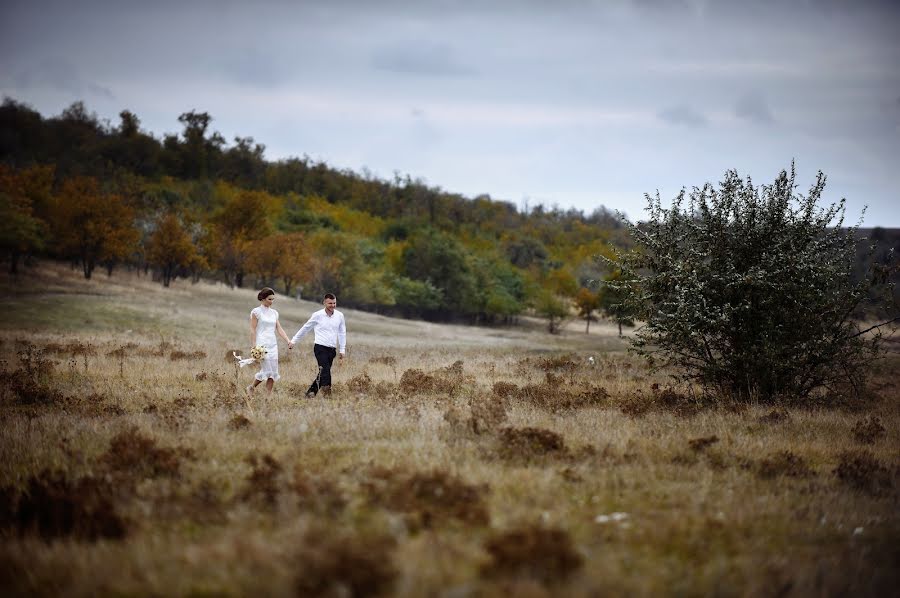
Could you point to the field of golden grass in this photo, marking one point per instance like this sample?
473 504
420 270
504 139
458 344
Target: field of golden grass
449 461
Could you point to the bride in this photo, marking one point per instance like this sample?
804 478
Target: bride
263 326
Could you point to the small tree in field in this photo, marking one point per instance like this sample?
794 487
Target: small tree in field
749 291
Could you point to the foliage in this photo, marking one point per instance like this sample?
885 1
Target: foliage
21 231
749 290
170 248
395 246
92 225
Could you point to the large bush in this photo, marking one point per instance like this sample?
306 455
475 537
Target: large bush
750 291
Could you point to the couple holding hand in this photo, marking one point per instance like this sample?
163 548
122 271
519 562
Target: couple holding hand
330 336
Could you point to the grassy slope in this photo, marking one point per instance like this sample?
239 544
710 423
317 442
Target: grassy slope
415 470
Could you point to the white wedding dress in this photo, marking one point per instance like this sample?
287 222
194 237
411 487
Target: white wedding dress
266 317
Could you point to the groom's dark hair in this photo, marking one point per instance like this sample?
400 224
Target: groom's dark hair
265 293
329 296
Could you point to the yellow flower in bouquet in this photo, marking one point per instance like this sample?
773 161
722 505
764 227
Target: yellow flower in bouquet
258 352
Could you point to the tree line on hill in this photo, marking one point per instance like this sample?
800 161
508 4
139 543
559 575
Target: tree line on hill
191 205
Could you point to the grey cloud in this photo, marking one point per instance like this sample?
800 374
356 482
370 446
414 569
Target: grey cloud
60 75
753 107
683 115
420 58
252 67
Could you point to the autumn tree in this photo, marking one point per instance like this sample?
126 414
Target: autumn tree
170 248
91 225
21 231
243 219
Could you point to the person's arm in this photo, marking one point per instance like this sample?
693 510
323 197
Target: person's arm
252 329
342 336
282 333
310 324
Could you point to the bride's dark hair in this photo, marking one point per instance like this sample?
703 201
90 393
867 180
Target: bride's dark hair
265 293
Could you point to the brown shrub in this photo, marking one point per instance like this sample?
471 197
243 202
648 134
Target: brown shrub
487 414
530 443
177 355
775 416
263 481
547 555
360 383
384 359
860 470
454 369
783 463
636 406
135 455
429 498
316 493
331 563
869 430
414 380
239 422
505 390
552 395
54 507
566 363
699 444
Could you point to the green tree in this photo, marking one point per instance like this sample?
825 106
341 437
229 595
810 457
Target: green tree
749 290
553 307
586 302
612 301
21 231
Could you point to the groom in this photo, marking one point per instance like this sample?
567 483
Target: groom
331 335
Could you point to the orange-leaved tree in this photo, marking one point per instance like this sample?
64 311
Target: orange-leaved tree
243 219
170 248
91 225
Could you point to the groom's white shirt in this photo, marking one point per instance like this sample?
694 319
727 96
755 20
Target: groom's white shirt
330 331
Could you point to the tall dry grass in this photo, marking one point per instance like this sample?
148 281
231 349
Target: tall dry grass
449 460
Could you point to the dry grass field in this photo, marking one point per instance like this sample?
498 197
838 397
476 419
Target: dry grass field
450 461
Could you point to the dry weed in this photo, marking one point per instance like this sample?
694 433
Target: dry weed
239 422
869 430
487 414
783 463
775 416
862 471
699 444
133 455
428 498
54 507
331 563
417 381
529 444
316 493
360 383
177 355
546 555
263 483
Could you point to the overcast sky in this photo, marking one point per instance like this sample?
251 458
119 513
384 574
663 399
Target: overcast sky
573 103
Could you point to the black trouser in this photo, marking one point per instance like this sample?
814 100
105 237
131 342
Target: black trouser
324 357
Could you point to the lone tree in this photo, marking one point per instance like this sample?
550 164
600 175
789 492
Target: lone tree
749 291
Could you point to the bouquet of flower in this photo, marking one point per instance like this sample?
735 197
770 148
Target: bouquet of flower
257 353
